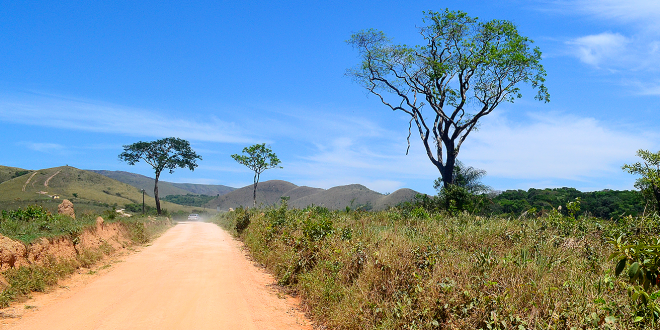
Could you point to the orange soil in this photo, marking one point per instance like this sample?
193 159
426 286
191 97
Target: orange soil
195 276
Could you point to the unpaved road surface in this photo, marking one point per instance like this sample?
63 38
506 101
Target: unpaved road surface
195 276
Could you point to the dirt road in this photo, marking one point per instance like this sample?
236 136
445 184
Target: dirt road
195 276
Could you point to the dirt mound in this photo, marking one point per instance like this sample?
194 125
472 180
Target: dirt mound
111 234
66 208
45 249
12 253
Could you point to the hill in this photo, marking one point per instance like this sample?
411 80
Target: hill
165 188
7 173
337 198
87 190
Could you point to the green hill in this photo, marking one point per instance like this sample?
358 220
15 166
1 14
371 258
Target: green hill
87 190
165 188
7 173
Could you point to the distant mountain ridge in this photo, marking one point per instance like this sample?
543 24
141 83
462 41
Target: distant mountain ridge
165 188
336 198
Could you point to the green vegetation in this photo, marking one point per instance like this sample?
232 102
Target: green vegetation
189 199
33 222
257 158
649 183
414 269
164 154
464 71
604 204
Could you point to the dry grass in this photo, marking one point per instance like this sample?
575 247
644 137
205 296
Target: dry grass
408 270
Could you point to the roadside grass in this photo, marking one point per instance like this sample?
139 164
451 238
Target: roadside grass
408 269
35 222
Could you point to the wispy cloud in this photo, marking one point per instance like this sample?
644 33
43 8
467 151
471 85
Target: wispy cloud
92 116
599 48
643 13
552 146
50 148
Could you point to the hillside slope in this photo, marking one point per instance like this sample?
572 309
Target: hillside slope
336 198
7 172
165 188
83 188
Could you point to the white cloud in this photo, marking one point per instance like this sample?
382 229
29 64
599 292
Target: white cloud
552 146
107 118
635 47
599 48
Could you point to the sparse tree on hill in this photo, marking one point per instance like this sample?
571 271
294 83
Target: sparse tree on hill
649 169
164 154
466 69
258 158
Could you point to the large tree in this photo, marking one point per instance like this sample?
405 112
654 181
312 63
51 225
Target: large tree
258 158
464 71
649 169
164 154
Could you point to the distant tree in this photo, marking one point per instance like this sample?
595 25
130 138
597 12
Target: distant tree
258 158
466 69
164 154
649 169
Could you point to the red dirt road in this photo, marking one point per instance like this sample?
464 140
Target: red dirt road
195 276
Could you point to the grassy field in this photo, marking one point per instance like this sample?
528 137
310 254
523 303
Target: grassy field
407 269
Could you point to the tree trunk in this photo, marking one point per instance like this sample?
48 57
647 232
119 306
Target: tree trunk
447 172
156 194
254 192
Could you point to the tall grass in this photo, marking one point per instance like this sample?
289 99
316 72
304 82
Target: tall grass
408 269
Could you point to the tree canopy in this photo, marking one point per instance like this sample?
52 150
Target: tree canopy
258 158
649 169
164 154
464 71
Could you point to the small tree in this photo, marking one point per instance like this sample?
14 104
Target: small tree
466 177
258 158
466 69
462 194
649 169
167 153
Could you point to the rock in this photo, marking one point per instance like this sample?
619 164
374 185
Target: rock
66 208
99 223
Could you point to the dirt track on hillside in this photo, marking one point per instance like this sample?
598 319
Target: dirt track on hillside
195 276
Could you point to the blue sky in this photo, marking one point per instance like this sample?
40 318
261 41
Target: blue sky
79 80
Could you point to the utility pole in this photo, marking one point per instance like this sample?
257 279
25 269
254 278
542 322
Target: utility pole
142 201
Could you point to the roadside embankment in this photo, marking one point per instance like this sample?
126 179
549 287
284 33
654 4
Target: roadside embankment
38 248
